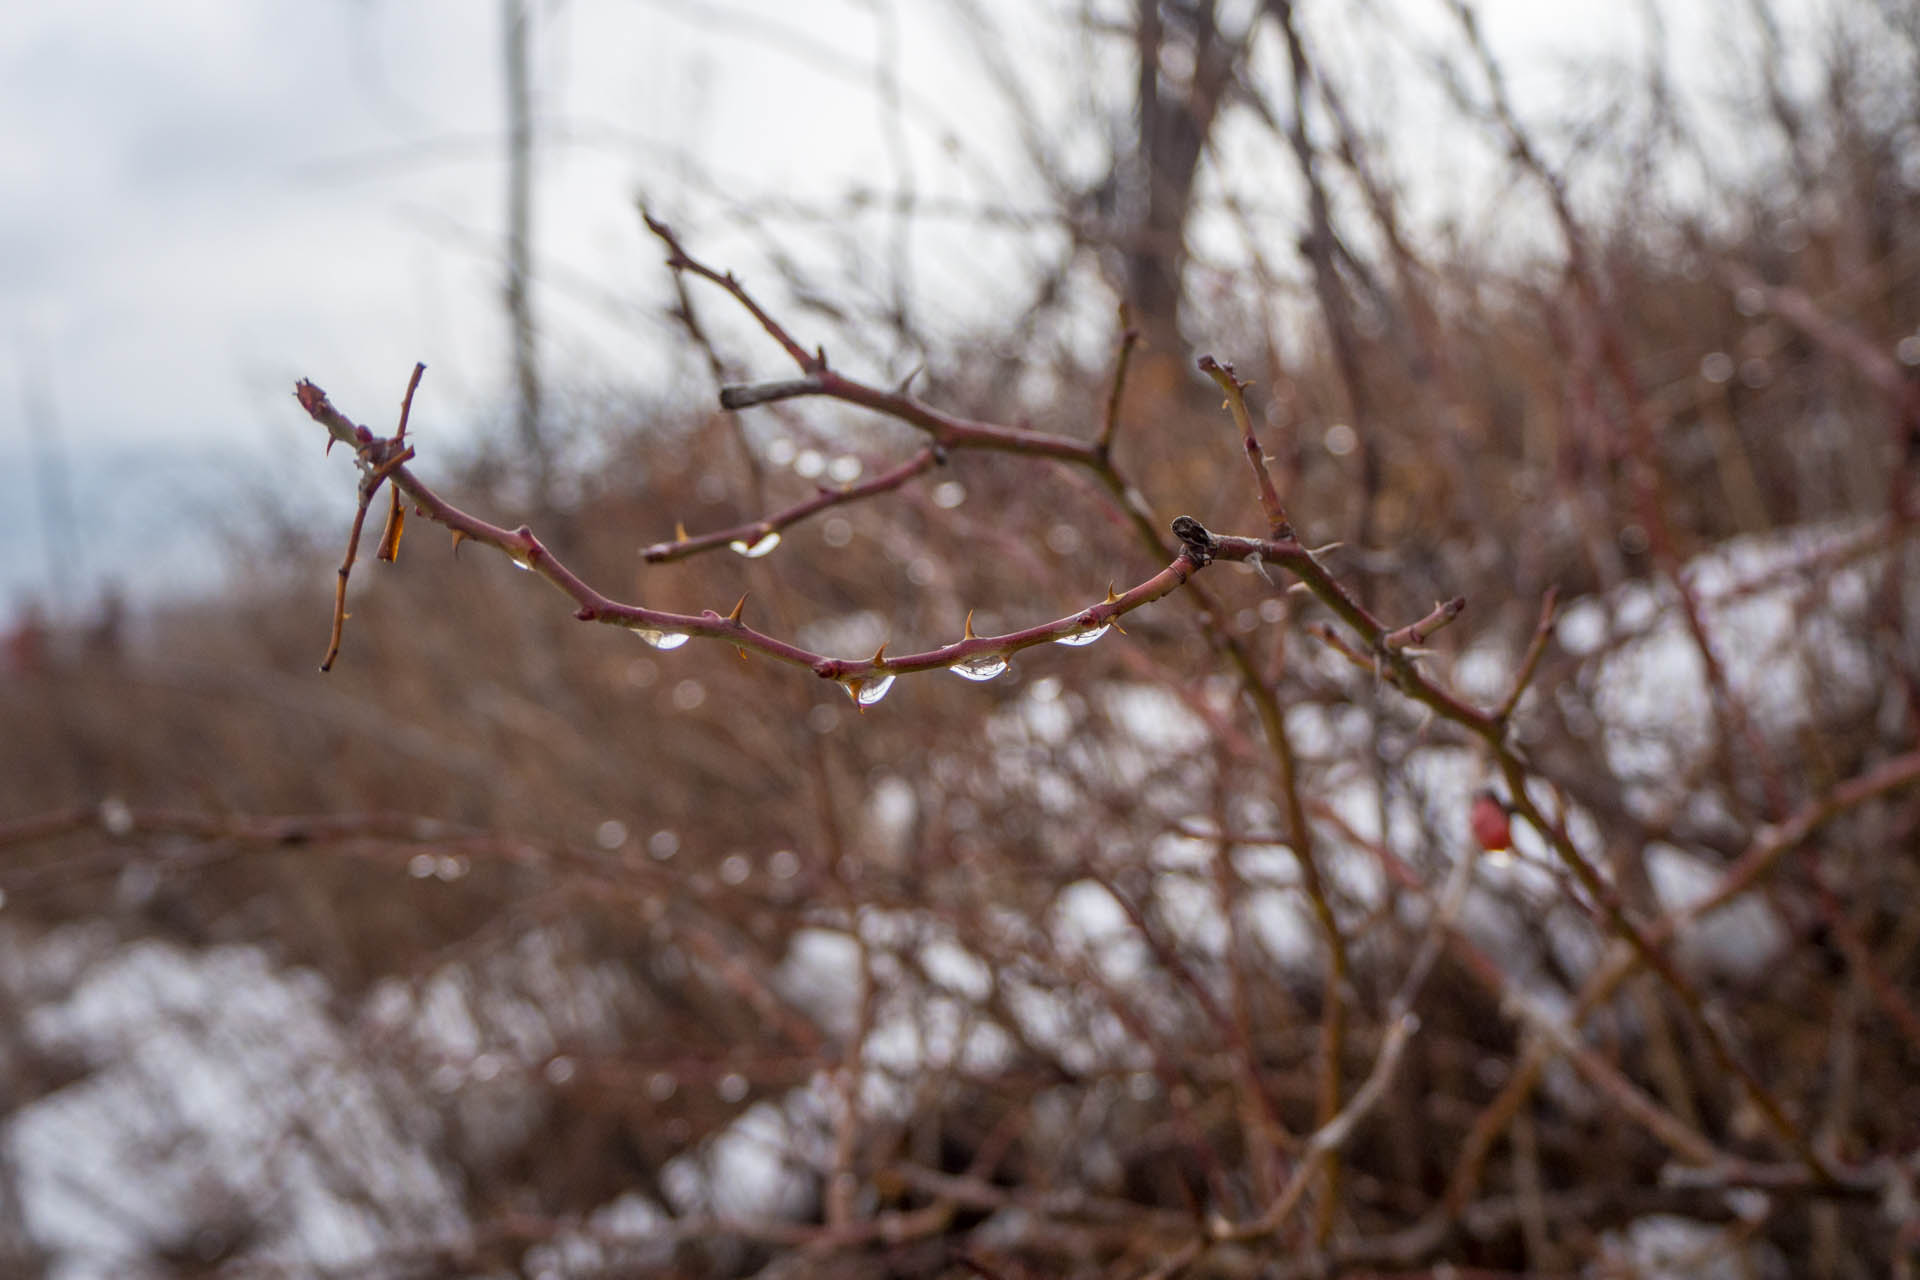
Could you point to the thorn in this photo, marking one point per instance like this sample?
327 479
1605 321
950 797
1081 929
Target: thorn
734 616
879 655
1331 546
1115 624
741 650
679 531
459 536
966 632
1111 598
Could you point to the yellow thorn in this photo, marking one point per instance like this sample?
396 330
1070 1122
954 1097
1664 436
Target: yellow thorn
679 531
966 632
458 538
1110 596
1115 624
735 615
879 655
741 650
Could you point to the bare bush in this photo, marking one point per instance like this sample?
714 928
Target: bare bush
1518 883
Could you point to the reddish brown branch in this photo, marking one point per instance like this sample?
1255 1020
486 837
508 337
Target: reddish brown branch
946 430
388 462
1278 525
1415 634
1542 632
375 474
396 510
1129 339
752 532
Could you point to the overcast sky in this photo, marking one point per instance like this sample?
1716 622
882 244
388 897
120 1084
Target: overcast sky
207 199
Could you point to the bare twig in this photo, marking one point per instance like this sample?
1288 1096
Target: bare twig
753 533
1278 526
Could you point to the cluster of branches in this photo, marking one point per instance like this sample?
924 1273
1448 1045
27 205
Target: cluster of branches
1295 1169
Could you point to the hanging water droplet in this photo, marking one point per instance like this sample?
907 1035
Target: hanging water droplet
519 563
754 551
984 667
869 690
1078 638
660 639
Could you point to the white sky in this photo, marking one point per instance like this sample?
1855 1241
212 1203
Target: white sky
206 199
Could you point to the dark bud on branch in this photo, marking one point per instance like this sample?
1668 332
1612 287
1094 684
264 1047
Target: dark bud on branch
1200 545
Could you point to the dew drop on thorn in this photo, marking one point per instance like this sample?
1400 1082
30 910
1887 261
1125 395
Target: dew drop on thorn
1078 638
661 639
754 551
869 691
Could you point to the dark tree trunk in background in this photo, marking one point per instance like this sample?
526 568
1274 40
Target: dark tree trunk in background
1184 65
519 288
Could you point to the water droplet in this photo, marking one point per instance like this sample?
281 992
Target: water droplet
1716 366
753 552
521 564
984 667
869 690
1078 638
661 639
115 816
